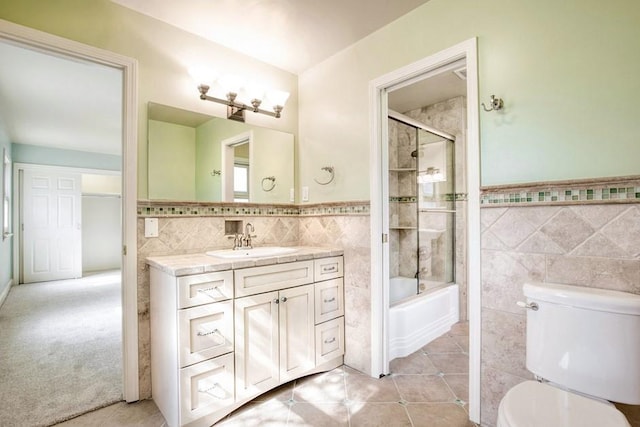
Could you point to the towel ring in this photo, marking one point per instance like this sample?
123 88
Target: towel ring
332 174
273 183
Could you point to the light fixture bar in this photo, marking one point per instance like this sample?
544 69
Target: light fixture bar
235 110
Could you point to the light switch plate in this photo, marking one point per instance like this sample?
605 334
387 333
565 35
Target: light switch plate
292 195
151 227
305 194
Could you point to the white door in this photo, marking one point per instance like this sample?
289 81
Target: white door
52 245
297 331
257 367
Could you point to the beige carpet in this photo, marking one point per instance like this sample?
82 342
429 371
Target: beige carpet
60 349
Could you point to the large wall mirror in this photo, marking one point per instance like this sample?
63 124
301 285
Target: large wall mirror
196 157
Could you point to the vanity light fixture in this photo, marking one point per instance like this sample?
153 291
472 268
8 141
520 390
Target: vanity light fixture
237 93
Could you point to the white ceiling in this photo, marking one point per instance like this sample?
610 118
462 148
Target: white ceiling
290 34
48 100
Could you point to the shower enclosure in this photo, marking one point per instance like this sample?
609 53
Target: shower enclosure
421 208
423 296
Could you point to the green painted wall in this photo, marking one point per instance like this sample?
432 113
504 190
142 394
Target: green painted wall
172 154
567 71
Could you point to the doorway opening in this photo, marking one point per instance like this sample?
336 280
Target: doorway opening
126 296
418 82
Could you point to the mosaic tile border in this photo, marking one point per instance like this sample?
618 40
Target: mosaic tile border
449 197
150 208
606 190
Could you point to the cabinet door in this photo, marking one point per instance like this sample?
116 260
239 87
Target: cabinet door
257 367
297 331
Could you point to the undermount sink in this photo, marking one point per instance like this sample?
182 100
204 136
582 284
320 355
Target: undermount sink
264 251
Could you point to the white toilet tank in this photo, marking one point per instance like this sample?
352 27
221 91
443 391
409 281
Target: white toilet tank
585 339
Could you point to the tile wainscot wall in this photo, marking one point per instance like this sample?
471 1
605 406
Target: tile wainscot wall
584 233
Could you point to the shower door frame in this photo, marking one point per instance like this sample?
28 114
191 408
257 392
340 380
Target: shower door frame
378 89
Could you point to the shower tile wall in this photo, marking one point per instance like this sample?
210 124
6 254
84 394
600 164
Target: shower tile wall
448 116
592 245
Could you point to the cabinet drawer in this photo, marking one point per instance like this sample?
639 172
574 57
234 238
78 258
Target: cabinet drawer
329 340
206 387
205 331
328 268
256 280
205 288
329 300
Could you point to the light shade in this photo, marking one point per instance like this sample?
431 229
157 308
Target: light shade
277 97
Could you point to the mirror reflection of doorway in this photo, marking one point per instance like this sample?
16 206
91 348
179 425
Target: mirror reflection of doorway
241 172
236 167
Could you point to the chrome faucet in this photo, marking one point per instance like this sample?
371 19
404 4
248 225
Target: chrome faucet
246 238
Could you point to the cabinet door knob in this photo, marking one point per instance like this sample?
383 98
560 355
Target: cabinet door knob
277 301
284 299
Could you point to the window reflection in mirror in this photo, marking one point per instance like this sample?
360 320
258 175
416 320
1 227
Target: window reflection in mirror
185 158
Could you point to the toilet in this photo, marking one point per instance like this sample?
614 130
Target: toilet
583 345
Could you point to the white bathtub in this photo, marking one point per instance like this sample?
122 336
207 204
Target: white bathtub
417 320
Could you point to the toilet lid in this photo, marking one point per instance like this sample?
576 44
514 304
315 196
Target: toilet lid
533 404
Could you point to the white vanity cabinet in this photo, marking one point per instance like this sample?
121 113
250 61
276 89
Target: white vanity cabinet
275 339
220 339
192 365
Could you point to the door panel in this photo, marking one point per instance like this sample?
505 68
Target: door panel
297 331
256 319
52 226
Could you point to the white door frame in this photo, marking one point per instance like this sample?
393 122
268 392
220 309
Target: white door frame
68 48
379 211
227 162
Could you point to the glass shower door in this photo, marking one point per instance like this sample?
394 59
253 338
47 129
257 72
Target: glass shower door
435 211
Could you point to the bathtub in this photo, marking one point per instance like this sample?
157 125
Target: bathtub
415 321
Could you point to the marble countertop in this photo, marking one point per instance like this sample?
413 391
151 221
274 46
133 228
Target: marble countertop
182 265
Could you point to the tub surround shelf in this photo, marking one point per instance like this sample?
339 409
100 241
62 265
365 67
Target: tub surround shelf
402 227
224 331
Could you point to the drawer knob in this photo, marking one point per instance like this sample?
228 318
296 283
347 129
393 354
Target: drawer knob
328 269
332 299
330 340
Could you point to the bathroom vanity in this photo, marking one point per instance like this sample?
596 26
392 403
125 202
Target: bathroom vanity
223 331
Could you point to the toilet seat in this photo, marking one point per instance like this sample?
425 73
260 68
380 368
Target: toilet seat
534 404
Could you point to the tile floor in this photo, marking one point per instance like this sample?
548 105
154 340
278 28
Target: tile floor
427 388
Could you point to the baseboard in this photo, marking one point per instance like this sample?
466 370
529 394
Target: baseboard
5 291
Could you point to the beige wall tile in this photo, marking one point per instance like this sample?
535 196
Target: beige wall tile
504 341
